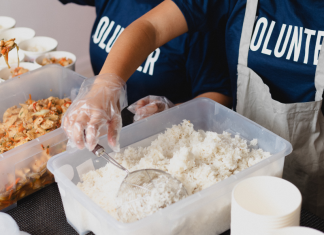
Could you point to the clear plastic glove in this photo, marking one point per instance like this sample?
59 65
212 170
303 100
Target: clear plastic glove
99 103
148 106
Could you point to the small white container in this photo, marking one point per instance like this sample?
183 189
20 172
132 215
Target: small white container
297 231
13 58
57 55
5 73
6 22
37 46
19 33
263 204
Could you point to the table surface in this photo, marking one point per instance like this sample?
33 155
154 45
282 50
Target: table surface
42 213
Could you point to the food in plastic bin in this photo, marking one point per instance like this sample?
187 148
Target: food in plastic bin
21 125
61 61
33 119
31 177
198 159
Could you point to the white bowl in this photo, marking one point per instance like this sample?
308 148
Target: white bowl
37 46
5 73
58 54
20 34
6 23
12 58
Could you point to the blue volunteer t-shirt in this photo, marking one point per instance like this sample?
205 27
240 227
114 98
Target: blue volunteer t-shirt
180 70
285 44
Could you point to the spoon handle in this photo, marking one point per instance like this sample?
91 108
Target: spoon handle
99 151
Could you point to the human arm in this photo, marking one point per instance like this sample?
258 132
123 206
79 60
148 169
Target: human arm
143 36
100 105
137 41
206 72
218 97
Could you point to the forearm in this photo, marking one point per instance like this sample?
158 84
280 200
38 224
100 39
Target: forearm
143 36
131 49
218 97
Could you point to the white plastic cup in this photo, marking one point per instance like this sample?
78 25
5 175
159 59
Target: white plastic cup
37 46
57 55
263 204
297 231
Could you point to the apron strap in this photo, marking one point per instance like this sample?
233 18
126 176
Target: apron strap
247 30
319 75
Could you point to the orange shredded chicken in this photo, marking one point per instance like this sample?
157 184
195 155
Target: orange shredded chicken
33 119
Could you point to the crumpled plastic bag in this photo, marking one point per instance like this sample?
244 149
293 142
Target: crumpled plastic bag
148 106
98 104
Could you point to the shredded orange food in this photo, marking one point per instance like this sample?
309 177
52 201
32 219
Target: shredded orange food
18 71
33 119
62 61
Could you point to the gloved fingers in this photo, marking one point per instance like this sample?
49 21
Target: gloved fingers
99 100
141 103
97 120
68 125
114 127
147 110
161 106
91 136
153 103
75 122
78 134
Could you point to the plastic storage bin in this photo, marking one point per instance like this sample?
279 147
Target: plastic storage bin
52 80
206 212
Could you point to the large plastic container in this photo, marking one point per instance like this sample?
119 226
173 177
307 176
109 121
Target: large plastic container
51 80
206 212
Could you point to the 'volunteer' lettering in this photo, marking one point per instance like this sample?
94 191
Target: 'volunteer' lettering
294 35
106 35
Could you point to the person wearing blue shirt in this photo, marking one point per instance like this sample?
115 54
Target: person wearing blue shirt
275 65
179 70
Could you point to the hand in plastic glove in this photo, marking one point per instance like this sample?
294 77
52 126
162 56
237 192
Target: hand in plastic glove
148 106
99 103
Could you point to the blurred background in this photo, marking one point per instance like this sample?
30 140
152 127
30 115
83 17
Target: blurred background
69 24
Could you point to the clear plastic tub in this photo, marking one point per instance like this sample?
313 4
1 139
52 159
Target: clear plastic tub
52 80
206 212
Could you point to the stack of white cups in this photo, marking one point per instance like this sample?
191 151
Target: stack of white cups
263 204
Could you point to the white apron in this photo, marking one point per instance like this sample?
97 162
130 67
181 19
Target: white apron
302 124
